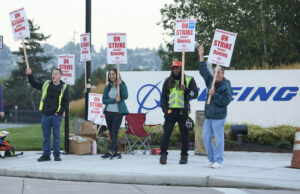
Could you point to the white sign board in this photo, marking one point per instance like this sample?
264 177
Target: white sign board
85 49
1 42
185 35
266 97
67 65
116 48
222 48
19 24
96 108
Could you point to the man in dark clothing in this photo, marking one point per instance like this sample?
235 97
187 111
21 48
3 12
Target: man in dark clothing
215 112
176 107
53 104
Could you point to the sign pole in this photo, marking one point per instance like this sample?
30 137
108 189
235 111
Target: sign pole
118 78
213 82
25 54
67 124
88 26
182 69
85 76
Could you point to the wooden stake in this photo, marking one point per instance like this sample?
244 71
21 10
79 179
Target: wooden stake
85 81
182 69
118 78
213 82
25 54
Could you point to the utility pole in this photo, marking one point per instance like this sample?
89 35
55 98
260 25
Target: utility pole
88 22
74 32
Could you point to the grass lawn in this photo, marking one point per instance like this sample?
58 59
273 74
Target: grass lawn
31 137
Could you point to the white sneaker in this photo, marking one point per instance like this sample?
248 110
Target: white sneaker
208 164
216 165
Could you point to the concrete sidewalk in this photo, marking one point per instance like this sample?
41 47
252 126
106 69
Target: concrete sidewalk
240 170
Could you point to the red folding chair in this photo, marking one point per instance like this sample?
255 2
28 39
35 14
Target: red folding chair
136 135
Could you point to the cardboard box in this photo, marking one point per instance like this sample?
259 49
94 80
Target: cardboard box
88 129
80 145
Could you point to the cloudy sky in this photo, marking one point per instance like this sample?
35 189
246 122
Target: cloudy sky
61 18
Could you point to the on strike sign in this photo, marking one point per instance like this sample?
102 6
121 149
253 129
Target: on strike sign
222 48
66 64
85 50
19 24
185 35
96 108
116 48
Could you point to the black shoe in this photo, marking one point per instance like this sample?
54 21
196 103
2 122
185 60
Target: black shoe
44 158
183 160
163 158
57 158
106 155
117 155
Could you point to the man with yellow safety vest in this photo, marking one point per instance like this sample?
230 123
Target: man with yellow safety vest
176 107
53 104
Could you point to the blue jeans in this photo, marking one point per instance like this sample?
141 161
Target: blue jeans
48 122
214 127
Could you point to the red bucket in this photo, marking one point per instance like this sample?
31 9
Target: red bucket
155 151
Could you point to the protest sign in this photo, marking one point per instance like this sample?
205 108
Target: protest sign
85 49
184 35
222 48
184 39
96 108
19 24
20 28
67 65
116 48
221 52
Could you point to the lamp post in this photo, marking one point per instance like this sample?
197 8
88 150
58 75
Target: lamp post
88 22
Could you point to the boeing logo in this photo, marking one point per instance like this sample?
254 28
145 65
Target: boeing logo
260 93
240 94
143 95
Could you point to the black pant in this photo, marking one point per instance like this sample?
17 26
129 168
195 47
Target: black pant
113 121
170 120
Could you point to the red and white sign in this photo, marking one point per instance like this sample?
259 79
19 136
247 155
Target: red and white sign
85 49
67 65
19 24
185 35
96 108
222 47
116 48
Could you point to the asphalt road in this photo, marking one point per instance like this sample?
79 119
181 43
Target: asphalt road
15 185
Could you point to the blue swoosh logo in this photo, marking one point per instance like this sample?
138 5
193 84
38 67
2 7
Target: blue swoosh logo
153 87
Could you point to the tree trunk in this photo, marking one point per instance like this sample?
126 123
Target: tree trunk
262 14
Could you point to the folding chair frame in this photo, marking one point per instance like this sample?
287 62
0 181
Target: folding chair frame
142 143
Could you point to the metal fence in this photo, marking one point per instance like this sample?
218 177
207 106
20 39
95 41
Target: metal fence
24 116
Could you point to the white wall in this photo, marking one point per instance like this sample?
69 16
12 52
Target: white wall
274 109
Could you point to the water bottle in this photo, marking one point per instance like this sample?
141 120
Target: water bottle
94 148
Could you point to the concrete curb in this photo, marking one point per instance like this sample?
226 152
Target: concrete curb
146 179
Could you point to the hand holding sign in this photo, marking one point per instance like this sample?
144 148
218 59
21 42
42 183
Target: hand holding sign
184 40
117 52
220 52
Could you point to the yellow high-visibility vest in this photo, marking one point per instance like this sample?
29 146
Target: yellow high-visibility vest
176 96
44 94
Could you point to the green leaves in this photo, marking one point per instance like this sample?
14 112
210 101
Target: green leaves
268 31
17 90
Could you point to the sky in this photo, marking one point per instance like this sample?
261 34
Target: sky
61 18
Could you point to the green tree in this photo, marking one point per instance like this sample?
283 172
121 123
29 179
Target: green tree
17 89
268 31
